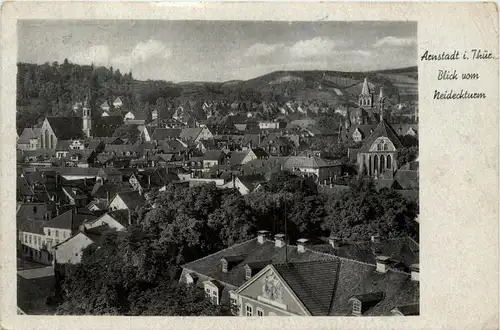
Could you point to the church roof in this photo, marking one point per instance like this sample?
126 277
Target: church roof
382 129
66 128
366 89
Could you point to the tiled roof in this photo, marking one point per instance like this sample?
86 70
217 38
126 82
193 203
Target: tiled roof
252 251
356 278
304 162
385 130
66 128
132 199
74 192
169 146
260 153
27 134
251 181
190 133
34 211
237 157
408 310
105 126
314 283
365 130
402 129
69 220
212 155
401 249
79 171
122 216
32 226
165 133
407 179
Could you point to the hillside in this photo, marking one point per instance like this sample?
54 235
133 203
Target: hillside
53 89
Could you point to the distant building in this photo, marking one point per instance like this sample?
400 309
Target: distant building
378 157
117 103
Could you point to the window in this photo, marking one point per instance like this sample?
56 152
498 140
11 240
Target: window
248 310
260 312
356 307
215 297
29 238
224 266
25 238
57 233
39 241
248 272
207 291
48 232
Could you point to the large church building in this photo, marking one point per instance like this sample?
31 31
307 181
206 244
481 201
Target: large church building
55 129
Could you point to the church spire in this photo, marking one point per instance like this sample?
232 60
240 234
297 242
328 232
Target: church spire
366 88
381 99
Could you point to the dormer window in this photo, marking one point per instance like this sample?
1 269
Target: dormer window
356 307
361 303
223 263
248 272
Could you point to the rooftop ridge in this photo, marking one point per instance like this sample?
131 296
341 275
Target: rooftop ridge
229 247
353 260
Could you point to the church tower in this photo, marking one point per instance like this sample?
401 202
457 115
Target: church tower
87 118
381 101
366 97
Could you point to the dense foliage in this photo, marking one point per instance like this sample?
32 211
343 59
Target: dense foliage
136 272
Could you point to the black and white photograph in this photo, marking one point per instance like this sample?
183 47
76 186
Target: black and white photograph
217 168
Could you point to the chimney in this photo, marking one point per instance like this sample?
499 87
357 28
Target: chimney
301 245
262 235
382 264
279 240
375 239
334 241
415 271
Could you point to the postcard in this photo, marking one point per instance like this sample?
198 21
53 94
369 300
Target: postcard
230 165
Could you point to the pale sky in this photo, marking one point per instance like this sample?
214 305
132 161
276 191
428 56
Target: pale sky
219 50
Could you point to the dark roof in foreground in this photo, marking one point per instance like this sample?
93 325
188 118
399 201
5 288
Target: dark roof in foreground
250 251
313 282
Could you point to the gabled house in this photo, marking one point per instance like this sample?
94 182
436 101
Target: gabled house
160 134
276 145
118 220
143 181
105 106
64 226
74 196
264 277
126 200
246 184
117 103
195 134
320 170
242 157
29 139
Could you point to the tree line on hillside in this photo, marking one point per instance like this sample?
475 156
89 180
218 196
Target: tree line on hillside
51 89
136 272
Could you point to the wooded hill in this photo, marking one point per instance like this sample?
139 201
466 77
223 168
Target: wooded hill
53 89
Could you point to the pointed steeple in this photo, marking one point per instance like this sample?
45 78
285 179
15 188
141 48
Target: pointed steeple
381 99
366 88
